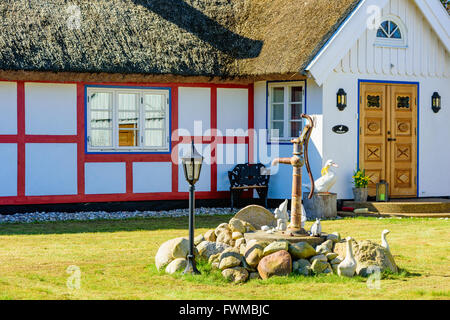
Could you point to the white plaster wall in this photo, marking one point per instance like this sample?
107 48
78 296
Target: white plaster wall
228 156
232 111
50 169
50 109
8 169
152 177
194 104
434 132
204 183
8 108
105 177
280 186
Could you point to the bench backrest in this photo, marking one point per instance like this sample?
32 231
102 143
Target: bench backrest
248 175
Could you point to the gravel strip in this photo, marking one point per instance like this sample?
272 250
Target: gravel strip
103 215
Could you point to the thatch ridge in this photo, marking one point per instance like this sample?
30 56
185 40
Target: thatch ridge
207 38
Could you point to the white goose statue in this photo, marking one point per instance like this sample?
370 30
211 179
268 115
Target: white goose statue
327 180
347 267
384 242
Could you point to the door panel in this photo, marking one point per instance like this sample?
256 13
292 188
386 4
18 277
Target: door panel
388 117
402 147
373 133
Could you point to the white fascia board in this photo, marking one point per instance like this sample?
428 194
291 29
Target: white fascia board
438 18
342 41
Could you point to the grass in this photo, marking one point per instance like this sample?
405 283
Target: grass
116 259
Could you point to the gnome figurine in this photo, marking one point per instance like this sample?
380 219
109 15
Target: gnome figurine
282 216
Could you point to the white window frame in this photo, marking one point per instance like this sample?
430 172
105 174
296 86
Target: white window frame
391 42
141 122
287 109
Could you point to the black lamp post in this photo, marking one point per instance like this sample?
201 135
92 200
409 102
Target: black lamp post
192 165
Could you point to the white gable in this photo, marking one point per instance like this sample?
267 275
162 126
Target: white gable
424 54
351 48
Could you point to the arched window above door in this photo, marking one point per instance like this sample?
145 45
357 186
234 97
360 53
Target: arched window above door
391 33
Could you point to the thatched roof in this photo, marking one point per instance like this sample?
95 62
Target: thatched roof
212 38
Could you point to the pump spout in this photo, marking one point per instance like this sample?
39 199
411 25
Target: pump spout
281 160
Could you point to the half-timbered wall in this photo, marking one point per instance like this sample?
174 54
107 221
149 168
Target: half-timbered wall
43 145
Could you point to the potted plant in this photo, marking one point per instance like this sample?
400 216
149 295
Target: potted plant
360 181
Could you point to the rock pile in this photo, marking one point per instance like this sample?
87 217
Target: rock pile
226 249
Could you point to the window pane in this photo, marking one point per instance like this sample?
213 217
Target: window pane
101 138
154 120
154 102
381 34
129 118
296 111
392 27
296 94
278 94
295 128
277 129
278 112
128 137
154 138
128 101
397 34
101 119
101 100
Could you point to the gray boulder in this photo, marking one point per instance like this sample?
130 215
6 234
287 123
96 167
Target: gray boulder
171 250
301 250
235 274
207 248
176 265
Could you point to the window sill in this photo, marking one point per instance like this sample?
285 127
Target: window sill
127 151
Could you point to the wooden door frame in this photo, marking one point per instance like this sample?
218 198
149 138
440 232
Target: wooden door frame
363 81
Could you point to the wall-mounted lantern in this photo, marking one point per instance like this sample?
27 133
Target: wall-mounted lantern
436 102
382 191
341 99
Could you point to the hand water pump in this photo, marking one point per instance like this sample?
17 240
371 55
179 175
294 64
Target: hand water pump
297 161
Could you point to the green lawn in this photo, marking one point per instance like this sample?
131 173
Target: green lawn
116 261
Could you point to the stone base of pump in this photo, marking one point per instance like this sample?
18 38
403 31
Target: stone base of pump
284 235
320 206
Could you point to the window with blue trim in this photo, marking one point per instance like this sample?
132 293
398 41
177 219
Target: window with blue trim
285 106
128 120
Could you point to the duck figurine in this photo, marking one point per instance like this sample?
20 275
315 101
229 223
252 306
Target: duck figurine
316 229
384 242
347 267
327 180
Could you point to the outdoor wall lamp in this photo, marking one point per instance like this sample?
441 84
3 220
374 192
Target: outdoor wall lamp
192 165
341 99
436 102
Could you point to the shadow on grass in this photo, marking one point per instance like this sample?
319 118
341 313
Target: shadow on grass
138 224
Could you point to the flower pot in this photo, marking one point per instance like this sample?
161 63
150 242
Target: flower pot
360 194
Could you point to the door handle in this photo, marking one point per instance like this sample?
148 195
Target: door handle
392 139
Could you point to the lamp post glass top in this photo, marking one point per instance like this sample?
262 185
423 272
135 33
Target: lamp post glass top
192 164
